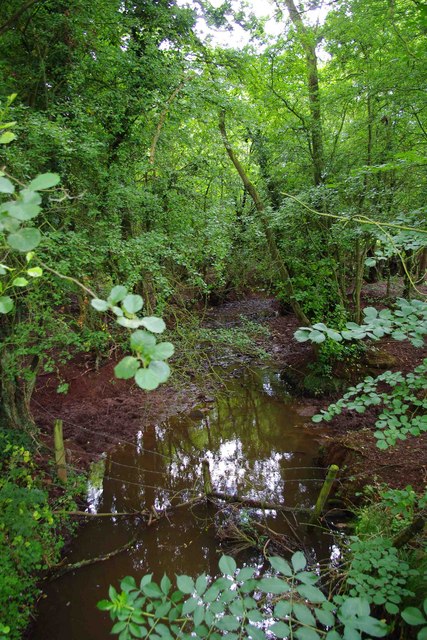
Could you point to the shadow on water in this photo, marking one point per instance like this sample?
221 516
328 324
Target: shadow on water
257 447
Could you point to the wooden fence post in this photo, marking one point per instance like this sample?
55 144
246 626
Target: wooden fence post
59 451
207 481
324 492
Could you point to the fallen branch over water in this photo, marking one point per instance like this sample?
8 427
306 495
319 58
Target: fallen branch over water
84 563
151 515
411 531
87 514
256 504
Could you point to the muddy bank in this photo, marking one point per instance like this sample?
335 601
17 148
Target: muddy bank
99 411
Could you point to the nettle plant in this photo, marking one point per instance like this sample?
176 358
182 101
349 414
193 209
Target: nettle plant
238 604
403 404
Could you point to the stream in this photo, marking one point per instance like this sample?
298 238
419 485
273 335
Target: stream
254 439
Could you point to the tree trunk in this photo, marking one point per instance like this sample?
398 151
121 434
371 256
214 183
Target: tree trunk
358 280
309 45
15 396
271 241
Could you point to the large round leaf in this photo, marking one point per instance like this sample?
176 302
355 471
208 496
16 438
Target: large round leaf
161 369
24 240
129 323
163 351
44 181
302 335
156 325
7 137
6 304
127 368
117 294
413 616
317 336
8 224
132 303
21 210
6 186
99 305
142 340
30 197
35 272
147 379
20 282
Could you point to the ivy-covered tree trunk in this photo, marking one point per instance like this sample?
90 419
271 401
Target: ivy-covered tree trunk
308 42
359 265
15 395
271 241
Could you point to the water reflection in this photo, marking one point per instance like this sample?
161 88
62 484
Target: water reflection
256 446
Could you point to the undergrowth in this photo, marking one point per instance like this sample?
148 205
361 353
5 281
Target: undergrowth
200 349
31 532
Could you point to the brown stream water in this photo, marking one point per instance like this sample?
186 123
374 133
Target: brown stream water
257 446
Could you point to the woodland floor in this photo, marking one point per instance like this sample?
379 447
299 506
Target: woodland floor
98 411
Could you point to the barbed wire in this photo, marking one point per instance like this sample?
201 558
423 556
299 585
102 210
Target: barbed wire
303 480
148 451
118 439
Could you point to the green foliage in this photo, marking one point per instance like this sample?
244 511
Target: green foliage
377 574
402 505
14 213
314 281
415 617
149 198
391 578
148 366
408 321
388 510
402 406
240 603
241 340
149 355
30 538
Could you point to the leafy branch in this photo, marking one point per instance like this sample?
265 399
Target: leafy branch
284 602
148 364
